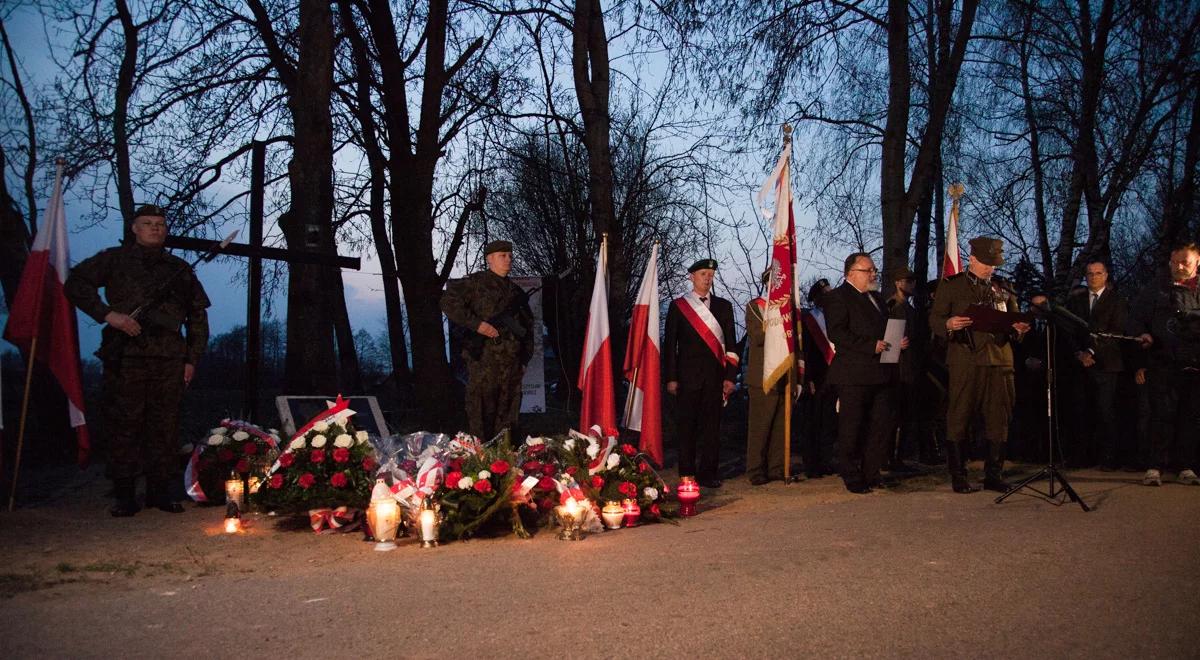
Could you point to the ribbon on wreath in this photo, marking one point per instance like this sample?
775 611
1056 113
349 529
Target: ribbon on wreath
339 409
326 520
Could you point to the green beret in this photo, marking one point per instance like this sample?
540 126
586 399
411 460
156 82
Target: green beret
149 211
710 264
988 250
497 246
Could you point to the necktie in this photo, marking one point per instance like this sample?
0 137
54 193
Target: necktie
872 300
704 299
1092 305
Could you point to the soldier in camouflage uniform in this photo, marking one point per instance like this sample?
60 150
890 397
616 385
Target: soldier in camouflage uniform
493 317
980 363
147 361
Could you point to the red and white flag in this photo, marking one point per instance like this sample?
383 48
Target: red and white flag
643 406
780 348
41 313
951 260
595 366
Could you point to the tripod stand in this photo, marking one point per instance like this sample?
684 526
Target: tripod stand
1057 482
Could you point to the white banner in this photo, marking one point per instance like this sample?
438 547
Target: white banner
533 388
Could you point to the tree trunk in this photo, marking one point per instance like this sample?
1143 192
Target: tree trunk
124 91
1035 153
1180 204
14 238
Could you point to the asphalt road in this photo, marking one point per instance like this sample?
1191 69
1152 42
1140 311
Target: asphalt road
799 570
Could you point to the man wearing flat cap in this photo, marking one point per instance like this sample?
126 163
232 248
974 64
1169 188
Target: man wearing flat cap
765 436
700 363
980 363
491 315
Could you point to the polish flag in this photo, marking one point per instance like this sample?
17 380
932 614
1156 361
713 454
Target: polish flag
952 261
643 406
781 343
595 366
41 320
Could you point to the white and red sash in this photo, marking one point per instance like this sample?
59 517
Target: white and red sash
814 320
705 325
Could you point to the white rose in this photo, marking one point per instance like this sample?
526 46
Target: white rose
613 461
321 427
533 442
484 474
343 440
214 440
466 482
318 441
297 443
593 449
241 435
569 444
361 436
650 492
220 430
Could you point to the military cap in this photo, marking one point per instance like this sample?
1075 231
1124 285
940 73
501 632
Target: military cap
710 264
497 246
150 211
901 273
766 275
988 250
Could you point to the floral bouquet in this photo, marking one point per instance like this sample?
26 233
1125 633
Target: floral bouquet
233 447
477 486
327 464
616 472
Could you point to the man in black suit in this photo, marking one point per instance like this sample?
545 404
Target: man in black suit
1100 360
856 317
818 398
700 363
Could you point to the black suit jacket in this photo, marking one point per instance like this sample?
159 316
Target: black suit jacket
855 325
687 359
1109 315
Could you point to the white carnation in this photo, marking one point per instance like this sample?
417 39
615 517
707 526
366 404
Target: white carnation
569 444
321 427
532 442
613 461
343 440
318 441
593 449
466 482
297 443
650 492
214 440
361 436
241 436
220 430
484 474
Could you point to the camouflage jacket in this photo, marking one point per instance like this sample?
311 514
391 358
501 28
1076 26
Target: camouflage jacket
485 296
130 275
971 347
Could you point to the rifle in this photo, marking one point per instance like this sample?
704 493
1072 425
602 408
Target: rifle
113 347
504 321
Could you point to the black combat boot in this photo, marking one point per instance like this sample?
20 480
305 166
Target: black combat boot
993 469
125 493
159 497
958 468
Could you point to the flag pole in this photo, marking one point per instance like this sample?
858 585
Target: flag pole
12 492
787 390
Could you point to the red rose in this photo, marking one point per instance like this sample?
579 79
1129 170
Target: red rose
452 479
643 467
225 455
572 470
307 480
286 460
654 510
531 467
499 467
338 480
276 481
549 470
250 448
546 483
242 467
341 455
628 489
597 482
483 486
317 456
369 464
628 449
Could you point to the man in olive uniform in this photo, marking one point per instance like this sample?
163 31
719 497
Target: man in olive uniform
496 324
980 363
765 436
148 361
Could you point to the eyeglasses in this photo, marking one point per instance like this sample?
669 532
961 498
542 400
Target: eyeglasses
866 270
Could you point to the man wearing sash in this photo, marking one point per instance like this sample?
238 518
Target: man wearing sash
700 364
819 398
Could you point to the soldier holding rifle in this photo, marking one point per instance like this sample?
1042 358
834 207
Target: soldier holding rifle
149 295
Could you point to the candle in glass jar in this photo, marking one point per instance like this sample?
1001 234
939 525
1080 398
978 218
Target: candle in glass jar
233 525
428 525
235 491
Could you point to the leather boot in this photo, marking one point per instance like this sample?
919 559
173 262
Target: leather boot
159 497
125 494
957 464
993 469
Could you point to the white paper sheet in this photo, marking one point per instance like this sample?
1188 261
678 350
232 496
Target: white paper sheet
893 334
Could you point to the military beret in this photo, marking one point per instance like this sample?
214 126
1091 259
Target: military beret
988 250
710 264
497 246
150 211
901 273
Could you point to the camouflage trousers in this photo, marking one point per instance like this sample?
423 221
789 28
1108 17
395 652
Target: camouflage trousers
493 396
142 398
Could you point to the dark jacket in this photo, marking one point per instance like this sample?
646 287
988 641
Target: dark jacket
1170 313
486 296
1110 314
855 325
687 359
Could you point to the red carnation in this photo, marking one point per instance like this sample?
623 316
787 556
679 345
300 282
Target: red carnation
452 479
643 467
654 511
483 486
531 467
338 480
276 481
572 470
628 449
546 483
369 464
500 467
628 489
549 470
242 467
597 482
341 455
307 480
317 456
250 448
286 460
225 455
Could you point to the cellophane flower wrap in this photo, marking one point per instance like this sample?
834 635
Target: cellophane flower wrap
232 447
608 470
476 486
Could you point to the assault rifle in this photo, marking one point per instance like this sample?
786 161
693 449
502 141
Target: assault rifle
113 345
505 321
